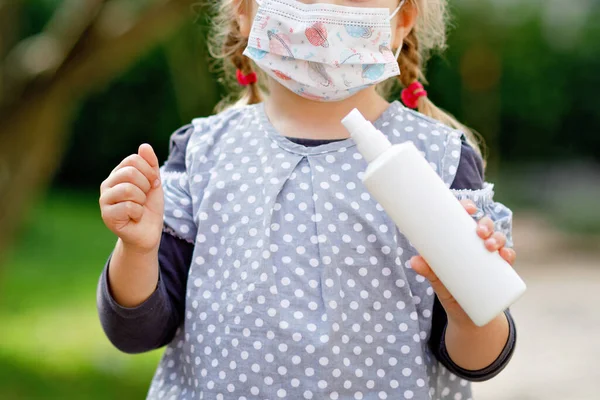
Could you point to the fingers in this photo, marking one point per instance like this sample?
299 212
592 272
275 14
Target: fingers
508 254
421 267
485 227
469 206
139 163
123 212
123 192
127 174
147 153
495 242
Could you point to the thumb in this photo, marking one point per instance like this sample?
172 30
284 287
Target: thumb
147 153
421 267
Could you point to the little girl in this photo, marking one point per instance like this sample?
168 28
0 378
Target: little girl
256 254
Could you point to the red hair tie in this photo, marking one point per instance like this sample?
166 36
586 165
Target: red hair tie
246 80
410 95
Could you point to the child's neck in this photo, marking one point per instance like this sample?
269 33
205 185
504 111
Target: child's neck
295 116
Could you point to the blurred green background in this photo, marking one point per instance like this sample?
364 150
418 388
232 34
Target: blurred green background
84 82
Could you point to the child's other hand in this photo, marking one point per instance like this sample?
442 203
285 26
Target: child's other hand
494 241
131 200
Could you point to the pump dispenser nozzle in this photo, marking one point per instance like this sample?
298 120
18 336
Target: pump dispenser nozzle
371 142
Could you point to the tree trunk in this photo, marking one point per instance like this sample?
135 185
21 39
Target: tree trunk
33 129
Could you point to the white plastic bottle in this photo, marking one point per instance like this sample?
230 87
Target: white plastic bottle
435 222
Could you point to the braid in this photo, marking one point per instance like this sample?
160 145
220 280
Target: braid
229 45
410 61
244 64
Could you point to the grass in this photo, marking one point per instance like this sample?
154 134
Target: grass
52 345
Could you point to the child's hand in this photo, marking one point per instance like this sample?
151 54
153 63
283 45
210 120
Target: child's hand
494 241
131 200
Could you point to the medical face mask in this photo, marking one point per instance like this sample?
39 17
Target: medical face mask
323 52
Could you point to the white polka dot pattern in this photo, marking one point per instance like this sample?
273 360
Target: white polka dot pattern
300 286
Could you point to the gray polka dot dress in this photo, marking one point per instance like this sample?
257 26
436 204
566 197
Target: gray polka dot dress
300 285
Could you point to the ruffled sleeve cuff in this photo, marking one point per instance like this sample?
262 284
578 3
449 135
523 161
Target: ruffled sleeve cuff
486 206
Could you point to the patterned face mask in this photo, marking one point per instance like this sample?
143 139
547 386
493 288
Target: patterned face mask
323 52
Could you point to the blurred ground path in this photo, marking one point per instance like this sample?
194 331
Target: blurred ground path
558 319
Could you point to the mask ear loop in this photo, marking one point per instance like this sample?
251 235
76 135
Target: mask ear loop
393 13
397 54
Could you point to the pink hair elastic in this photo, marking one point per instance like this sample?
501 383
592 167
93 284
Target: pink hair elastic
410 95
246 80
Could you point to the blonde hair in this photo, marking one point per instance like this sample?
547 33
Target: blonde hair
428 35
227 45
